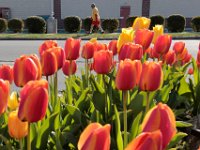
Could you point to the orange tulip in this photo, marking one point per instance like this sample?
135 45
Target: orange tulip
162 118
49 62
88 50
143 37
178 47
131 51
60 56
113 46
170 57
103 61
4 95
141 23
47 45
95 137
16 128
151 76
69 67
162 44
158 31
6 73
72 47
146 141
26 68
128 74
33 101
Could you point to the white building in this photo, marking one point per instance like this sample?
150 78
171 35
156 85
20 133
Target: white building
108 8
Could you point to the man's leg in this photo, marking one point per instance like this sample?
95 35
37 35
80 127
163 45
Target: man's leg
91 28
99 26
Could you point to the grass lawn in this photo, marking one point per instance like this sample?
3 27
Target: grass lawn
61 36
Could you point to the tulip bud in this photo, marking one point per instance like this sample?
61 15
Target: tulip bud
95 137
4 95
72 47
13 101
151 76
146 141
16 128
131 51
103 61
170 57
190 71
143 37
47 45
162 118
33 101
88 50
162 44
141 23
178 47
128 74
6 73
158 31
26 68
113 46
69 67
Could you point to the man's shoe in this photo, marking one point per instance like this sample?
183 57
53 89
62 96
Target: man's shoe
102 32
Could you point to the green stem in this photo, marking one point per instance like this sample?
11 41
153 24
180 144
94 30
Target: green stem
47 78
106 103
55 87
70 90
29 137
125 97
147 105
21 143
86 71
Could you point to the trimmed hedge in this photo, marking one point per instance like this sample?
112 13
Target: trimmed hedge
16 25
36 24
130 20
156 20
195 23
87 24
3 25
176 23
72 24
110 25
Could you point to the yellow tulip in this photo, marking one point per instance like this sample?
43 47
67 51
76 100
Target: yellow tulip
13 101
127 35
93 40
141 23
158 30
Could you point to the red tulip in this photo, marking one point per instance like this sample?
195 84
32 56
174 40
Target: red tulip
190 71
162 44
113 46
128 74
60 56
26 68
95 137
88 50
72 47
131 51
146 141
69 67
33 101
4 95
100 46
183 55
47 45
49 62
178 47
143 37
170 57
162 118
198 59
103 61
154 54
186 59
6 73
151 76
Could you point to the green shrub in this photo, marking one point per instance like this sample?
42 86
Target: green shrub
176 23
195 23
130 20
16 25
36 24
87 24
157 19
3 25
110 25
72 24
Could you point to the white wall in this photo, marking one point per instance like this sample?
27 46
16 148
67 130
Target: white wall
24 8
107 8
187 8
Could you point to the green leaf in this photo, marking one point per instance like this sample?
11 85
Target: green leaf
176 139
98 100
74 112
135 126
44 131
118 130
182 124
80 102
196 71
96 85
184 87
